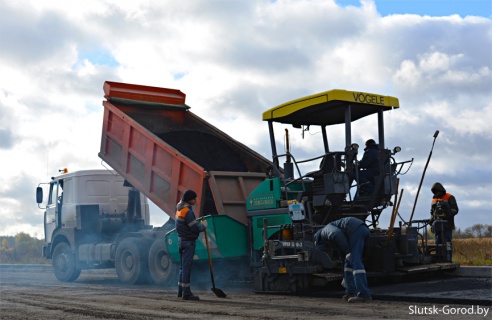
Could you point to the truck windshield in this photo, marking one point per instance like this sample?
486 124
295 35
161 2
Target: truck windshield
56 190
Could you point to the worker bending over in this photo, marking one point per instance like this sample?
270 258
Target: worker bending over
348 235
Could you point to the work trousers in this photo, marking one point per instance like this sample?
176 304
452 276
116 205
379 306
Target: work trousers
186 253
354 271
444 237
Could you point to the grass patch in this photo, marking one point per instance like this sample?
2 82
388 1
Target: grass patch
473 252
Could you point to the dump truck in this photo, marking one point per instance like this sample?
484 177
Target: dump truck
261 215
158 150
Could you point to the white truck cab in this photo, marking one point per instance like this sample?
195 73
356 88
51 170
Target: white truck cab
85 213
70 192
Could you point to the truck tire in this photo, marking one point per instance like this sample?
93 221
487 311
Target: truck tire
131 261
162 269
64 264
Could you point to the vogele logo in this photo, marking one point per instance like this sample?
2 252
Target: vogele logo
368 98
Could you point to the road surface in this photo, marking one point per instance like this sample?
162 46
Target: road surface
34 293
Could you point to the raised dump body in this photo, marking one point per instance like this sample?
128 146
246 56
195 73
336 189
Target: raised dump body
151 138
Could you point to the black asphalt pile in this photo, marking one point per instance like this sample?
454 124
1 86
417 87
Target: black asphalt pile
208 151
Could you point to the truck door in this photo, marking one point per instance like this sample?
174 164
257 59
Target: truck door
52 215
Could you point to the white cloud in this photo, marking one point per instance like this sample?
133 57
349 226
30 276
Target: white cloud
235 60
437 69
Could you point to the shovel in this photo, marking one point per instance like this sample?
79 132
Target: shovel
219 293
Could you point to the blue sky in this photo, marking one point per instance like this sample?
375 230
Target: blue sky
429 7
99 57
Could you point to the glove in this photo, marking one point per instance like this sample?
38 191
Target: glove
446 207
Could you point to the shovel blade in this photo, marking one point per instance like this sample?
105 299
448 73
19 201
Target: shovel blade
219 293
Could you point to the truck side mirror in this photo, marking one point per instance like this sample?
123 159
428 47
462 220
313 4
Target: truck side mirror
39 195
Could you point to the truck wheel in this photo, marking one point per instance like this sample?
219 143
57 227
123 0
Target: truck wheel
64 265
162 269
131 261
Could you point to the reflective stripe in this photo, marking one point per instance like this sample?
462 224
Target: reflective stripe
180 284
359 271
185 285
180 219
347 270
192 223
347 257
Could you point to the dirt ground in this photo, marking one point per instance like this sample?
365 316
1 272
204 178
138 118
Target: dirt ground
35 294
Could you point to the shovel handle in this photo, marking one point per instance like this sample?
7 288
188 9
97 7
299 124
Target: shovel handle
209 258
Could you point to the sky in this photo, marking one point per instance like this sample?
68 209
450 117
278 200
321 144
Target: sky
236 59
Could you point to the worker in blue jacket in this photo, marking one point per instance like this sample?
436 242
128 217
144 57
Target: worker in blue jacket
333 237
368 167
347 235
188 229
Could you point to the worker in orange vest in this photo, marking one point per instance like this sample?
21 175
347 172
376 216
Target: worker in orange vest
443 209
188 229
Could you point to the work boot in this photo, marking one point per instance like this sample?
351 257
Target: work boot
347 296
359 299
191 297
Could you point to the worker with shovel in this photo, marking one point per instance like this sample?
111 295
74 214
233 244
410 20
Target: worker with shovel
188 229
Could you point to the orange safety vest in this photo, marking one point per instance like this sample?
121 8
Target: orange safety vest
442 215
181 214
444 198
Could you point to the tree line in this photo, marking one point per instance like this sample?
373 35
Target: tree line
476 231
24 249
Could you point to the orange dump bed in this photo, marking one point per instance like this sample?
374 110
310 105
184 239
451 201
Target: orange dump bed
151 138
